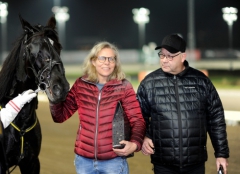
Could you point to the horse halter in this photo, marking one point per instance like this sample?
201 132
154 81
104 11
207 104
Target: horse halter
42 81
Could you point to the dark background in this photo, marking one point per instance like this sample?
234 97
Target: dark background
96 20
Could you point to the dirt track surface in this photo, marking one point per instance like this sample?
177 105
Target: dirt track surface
57 154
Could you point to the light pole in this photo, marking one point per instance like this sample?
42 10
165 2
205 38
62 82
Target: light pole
230 15
61 15
141 18
191 31
3 15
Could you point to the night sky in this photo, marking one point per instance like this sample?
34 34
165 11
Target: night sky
97 20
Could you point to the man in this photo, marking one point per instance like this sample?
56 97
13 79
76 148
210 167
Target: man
180 105
8 114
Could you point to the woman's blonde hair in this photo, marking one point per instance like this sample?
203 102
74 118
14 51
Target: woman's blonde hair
90 71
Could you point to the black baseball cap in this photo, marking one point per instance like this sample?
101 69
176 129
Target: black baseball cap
173 43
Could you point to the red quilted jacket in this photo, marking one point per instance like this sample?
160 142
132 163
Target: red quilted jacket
96 111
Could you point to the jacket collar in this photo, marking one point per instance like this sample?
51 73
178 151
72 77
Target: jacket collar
185 63
111 82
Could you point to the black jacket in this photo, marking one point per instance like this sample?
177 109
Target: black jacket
179 110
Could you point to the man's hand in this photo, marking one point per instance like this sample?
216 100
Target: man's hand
223 162
147 147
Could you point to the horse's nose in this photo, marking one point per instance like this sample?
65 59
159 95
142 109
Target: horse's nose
57 89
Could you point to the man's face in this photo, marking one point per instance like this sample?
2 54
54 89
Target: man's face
172 62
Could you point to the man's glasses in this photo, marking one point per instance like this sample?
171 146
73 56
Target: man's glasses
102 59
169 58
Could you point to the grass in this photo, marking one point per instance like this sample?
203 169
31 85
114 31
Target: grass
227 82
220 81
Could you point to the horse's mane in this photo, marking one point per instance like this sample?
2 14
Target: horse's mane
9 66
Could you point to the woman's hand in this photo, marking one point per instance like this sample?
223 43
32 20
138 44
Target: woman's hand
129 147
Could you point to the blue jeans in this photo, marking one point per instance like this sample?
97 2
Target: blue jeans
116 165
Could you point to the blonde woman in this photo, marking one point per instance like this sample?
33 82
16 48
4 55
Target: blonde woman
95 96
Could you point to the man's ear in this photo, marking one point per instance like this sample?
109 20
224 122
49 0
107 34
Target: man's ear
183 57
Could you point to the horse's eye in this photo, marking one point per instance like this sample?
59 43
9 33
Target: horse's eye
47 60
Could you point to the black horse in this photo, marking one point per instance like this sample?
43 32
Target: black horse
34 62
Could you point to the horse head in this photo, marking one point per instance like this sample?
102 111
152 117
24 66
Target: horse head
40 60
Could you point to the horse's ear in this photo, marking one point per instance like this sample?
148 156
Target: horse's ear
52 22
25 25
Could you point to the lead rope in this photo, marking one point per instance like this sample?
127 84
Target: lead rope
22 132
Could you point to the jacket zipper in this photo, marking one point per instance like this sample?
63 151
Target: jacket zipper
96 131
179 120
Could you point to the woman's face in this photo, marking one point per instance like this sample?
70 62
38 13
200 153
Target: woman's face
104 64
